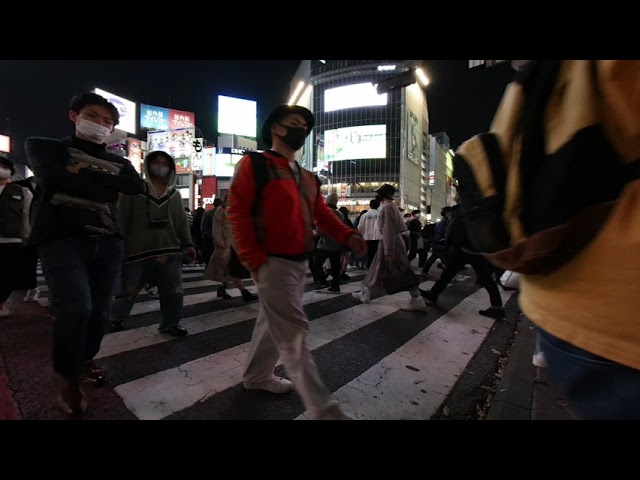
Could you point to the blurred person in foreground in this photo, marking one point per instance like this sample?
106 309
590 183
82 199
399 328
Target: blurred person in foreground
75 224
587 309
274 245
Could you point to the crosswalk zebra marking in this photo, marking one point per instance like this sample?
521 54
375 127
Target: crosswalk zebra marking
159 395
437 356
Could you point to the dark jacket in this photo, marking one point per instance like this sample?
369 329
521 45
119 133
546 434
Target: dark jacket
78 193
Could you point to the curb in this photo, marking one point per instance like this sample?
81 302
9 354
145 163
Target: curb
514 396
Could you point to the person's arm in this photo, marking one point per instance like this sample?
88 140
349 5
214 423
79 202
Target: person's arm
180 222
240 214
26 225
128 181
48 159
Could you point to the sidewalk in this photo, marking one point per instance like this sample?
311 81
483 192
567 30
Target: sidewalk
524 392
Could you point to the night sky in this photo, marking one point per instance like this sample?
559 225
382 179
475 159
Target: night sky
34 94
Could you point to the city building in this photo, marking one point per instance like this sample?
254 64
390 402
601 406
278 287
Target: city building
372 127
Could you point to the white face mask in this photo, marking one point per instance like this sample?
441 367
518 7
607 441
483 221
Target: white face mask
5 173
93 131
159 170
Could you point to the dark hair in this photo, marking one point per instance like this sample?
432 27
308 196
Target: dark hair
375 203
415 211
8 163
344 210
446 210
85 99
217 202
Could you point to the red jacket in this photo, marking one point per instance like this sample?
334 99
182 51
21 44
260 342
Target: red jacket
284 222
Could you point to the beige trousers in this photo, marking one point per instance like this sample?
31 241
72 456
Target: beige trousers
280 332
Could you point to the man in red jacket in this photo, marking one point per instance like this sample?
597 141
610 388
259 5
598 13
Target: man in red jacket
273 242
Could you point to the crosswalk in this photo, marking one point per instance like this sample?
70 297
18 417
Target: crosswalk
379 361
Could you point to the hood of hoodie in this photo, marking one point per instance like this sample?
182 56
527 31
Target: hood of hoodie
172 175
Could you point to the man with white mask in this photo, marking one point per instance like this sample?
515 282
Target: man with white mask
75 225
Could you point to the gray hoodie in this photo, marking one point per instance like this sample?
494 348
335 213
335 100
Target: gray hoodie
154 223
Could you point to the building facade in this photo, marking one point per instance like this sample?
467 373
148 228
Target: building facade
372 127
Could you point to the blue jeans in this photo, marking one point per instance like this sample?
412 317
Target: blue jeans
166 276
80 273
597 388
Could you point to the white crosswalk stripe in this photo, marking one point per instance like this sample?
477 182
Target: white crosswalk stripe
405 378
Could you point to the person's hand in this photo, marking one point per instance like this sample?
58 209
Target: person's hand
255 274
191 252
357 244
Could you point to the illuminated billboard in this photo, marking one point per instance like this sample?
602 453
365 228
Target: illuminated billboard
160 118
226 160
180 119
177 143
126 108
5 144
358 95
154 118
237 116
353 143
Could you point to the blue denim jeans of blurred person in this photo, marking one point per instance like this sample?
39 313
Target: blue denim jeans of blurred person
81 273
166 273
596 388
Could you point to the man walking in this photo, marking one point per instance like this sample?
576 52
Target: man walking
274 243
75 225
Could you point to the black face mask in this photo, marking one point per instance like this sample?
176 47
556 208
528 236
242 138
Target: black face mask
295 137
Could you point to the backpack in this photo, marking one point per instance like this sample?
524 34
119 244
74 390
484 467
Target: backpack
538 187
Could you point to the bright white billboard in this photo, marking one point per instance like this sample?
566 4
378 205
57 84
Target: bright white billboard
353 143
237 116
358 95
126 108
5 144
225 164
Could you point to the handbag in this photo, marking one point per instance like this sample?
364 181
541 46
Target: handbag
398 277
235 267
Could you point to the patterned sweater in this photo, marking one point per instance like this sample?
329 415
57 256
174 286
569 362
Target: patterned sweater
80 183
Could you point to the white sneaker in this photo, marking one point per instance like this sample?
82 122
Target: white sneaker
416 304
539 360
5 311
275 385
32 295
364 296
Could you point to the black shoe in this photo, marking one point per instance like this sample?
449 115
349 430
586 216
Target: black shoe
429 295
94 375
344 276
328 290
494 312
222 292
175 331
116 325
321 285
247 296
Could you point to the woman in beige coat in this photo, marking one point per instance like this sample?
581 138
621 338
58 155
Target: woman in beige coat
392 249
218 267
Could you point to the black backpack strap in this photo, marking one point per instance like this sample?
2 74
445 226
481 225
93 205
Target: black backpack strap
261 173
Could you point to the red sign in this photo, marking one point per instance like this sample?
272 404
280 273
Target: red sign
209 191
180 119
